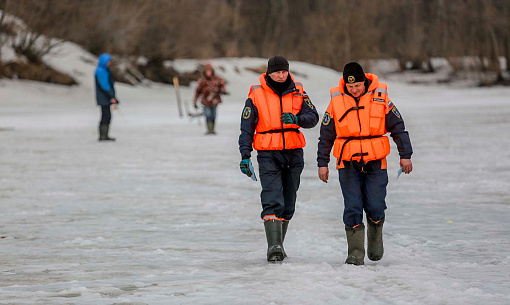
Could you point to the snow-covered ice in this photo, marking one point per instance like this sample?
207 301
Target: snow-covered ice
164 216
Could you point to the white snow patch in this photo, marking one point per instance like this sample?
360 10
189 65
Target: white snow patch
163 215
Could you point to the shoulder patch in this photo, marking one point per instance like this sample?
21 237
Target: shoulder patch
307 100
326 119
246 112
395 111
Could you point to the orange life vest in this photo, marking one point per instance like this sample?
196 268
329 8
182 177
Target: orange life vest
271 133
360 129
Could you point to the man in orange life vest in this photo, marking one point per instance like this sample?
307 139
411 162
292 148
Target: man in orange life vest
358 117
273 114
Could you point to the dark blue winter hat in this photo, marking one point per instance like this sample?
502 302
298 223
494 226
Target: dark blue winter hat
353 73
277 63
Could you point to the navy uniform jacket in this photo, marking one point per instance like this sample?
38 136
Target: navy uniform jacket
307 118
394 125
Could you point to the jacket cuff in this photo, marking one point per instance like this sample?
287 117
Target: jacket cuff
406 156
299 121
322 163
245 157
110 95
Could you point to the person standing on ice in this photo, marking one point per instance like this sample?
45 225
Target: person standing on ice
105 94
274 112
209 86
359 115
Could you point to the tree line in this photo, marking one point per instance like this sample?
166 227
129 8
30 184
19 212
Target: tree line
325 32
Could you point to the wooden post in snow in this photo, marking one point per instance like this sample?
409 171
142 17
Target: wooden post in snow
178 94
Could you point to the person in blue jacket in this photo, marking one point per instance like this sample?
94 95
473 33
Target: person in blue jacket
105 94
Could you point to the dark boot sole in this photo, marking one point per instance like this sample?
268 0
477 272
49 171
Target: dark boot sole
276 254
374 257
275 258
351 260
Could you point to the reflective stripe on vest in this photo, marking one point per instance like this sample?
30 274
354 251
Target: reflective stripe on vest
381 90
336 93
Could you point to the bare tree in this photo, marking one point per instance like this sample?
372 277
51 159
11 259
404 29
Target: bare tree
326 32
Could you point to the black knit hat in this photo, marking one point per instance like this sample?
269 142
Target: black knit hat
277 63
353 73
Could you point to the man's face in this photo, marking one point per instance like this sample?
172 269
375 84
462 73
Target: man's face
208 73
356 89
279 76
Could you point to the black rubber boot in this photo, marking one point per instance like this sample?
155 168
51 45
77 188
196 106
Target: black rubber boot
375 248
103 133
355 245
285 226
275 252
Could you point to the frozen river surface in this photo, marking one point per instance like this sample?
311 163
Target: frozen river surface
164 216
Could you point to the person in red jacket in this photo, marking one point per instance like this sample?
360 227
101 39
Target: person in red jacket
209 86
358 117
273 114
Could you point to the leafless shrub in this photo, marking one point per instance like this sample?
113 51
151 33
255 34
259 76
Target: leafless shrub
37 72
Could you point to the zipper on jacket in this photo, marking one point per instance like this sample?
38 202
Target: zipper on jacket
281 111
359 121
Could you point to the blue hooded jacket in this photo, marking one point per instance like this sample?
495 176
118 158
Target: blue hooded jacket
104 81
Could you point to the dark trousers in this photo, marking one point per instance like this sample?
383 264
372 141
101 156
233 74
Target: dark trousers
279 173
363 191
210 113
106 115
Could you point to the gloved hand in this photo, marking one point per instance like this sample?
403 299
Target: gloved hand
245 167
289 118
195 105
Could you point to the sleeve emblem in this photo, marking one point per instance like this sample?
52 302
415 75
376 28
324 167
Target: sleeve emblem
326 119
246 112
395 111
306 99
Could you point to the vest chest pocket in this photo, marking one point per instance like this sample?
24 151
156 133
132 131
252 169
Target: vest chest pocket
377 114
377 109
297 102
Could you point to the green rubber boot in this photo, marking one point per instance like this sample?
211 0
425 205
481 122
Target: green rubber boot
103 133
210 127
275 252
285 225
375 248
355 245
213 123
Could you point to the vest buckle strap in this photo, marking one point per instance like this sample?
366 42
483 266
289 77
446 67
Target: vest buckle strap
359 155
280 130
360 138
349 110
348 139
